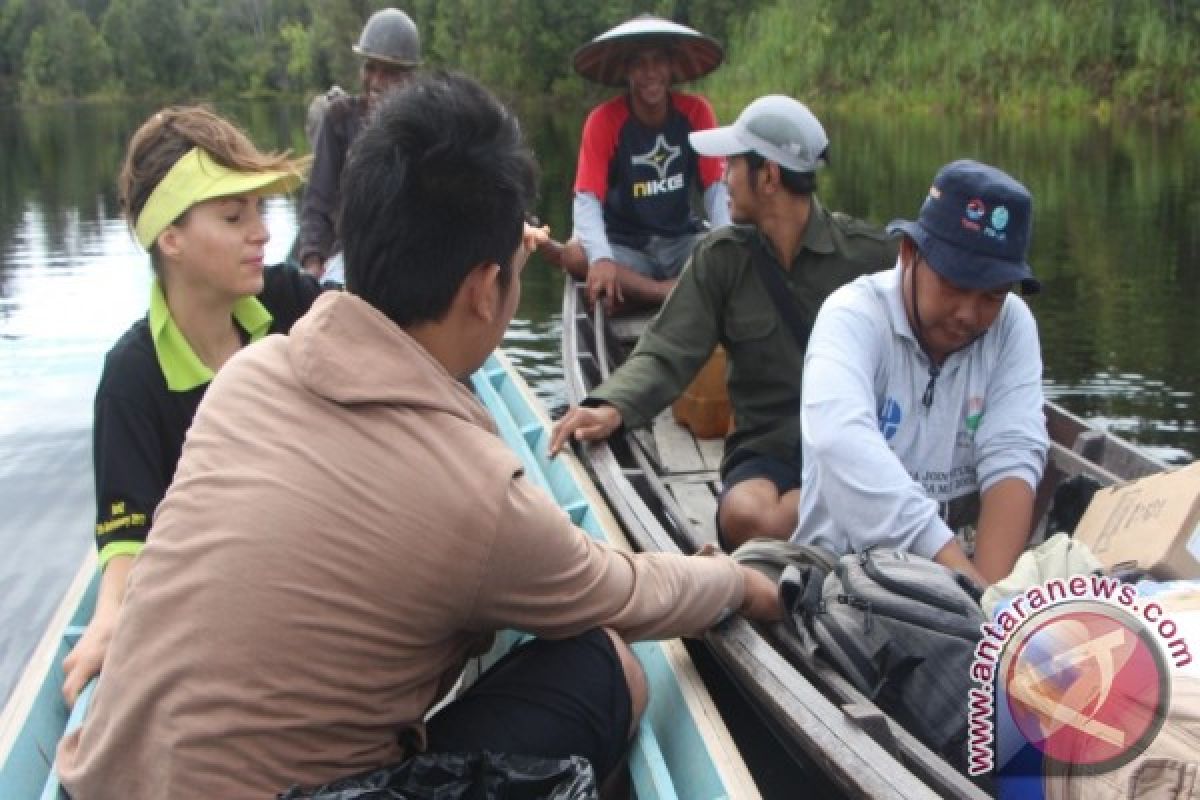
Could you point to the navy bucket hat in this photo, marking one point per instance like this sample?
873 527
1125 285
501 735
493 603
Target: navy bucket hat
974 228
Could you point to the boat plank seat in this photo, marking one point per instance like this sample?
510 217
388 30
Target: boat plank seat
629 327
676 446
700 505
709 477
649 445
691 466
711 450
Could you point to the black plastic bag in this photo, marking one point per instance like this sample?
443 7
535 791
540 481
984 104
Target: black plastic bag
464 776
1071 499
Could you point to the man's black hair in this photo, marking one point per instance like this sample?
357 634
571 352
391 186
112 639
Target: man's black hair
804 183
437 184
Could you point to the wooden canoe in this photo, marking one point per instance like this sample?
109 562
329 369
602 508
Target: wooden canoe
661 483
682 749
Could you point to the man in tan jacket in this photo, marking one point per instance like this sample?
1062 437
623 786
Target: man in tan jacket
345 528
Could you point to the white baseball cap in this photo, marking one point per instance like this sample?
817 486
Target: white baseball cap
776 127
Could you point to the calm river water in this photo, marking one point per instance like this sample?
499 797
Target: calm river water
1116 244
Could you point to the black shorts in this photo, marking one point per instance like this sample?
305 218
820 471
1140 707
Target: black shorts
745 465
545 698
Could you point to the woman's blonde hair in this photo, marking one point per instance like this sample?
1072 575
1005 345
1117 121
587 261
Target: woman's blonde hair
169 134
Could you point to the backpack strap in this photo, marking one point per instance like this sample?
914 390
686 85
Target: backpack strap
969 586
772 556
894 667
867 559
798 569
777 290
800 593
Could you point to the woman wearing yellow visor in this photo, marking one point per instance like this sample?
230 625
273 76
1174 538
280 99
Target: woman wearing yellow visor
192 189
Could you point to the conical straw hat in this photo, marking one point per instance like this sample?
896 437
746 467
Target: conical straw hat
603 59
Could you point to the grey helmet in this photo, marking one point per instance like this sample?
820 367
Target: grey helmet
390 35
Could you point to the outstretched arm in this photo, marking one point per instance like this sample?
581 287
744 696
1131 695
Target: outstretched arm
1011 442
584 423
603 271
87 657
1005 519
552 579
130 476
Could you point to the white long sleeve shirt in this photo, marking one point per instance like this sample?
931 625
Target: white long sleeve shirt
588 215
880 464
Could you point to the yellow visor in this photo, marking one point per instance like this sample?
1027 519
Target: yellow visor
196 178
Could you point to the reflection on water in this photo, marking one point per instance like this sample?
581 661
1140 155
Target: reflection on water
1143 409
1115 244
67 293
525 345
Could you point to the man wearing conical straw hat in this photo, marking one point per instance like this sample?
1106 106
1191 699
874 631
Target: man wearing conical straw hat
633 217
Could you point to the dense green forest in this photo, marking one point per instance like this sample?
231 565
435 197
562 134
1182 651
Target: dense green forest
1097 56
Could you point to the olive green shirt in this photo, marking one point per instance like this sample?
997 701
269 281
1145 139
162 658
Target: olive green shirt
720 298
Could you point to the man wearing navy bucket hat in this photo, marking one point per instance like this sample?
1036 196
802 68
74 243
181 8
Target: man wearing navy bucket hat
922 387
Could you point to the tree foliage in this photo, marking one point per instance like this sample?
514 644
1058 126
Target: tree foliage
66 57
989 55
982 53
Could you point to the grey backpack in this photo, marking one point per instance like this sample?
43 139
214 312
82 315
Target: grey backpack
902 629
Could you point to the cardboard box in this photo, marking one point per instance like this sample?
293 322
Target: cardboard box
1153 523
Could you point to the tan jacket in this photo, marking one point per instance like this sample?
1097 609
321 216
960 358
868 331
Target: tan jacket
344 529
1167 769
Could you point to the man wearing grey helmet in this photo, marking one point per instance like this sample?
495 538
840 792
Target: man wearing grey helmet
390 47
923 387
785 251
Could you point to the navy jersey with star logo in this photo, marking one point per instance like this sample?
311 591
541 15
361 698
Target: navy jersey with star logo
644 177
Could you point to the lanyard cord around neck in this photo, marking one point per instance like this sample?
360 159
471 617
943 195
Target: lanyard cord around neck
935 369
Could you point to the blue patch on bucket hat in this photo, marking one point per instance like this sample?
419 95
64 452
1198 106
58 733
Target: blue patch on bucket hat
974 227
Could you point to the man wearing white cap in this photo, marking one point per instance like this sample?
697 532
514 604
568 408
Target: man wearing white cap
634 223
754 288
923 387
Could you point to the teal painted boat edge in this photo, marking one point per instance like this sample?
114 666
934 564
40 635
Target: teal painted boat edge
669 758
37 706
